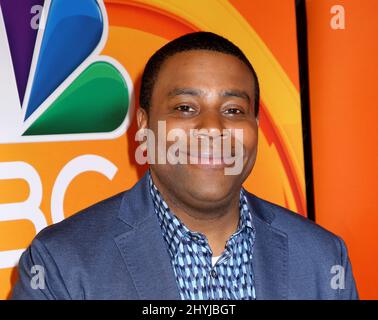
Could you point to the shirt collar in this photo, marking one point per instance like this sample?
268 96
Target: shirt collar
175 232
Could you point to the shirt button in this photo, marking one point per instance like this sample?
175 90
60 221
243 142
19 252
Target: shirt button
195 238
213 273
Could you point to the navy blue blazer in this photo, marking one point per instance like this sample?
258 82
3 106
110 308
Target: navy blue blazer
115 250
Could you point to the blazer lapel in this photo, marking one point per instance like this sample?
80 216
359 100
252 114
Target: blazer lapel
143 248
270 256
146 257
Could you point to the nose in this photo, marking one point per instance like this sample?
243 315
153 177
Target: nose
210 124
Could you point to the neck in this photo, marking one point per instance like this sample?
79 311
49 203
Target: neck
216 220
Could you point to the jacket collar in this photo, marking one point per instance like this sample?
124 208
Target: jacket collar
271 253
147 259
142 247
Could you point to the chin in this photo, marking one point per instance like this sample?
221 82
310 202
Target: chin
208 195
211 187
200 184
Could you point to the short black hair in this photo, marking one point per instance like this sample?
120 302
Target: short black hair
191 41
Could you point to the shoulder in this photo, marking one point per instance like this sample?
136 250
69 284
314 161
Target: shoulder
316 258
74 253
86 227
300 231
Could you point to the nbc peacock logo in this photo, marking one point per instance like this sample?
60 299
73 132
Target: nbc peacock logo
54 84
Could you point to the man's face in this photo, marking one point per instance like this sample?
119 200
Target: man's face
208 90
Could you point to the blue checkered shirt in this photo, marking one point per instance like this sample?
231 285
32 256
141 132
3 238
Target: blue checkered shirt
231 278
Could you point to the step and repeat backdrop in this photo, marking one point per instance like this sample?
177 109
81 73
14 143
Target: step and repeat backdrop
69 77
343 65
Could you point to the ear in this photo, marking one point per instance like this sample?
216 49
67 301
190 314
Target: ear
142 118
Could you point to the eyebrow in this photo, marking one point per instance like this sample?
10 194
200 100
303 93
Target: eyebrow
236 93
186 91
198 93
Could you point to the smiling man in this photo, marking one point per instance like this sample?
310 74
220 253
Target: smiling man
188 230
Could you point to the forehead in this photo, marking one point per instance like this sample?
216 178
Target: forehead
204 68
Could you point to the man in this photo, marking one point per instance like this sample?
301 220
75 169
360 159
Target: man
187 230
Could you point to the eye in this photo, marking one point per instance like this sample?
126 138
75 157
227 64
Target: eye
185 108
233 111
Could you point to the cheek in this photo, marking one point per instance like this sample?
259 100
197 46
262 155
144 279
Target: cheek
185 124
250 138
179 128
167 125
